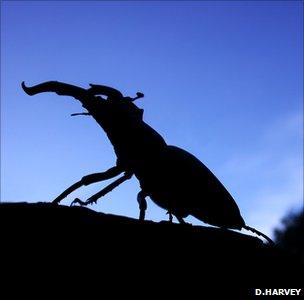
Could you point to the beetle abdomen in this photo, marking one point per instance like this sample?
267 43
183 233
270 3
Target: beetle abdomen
185 186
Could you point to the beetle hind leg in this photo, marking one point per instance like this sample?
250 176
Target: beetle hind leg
180 220
170 216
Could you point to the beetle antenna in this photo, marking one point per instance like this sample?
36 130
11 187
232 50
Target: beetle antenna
138 95
81 114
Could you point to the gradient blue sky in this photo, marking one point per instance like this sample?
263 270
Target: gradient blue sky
224 80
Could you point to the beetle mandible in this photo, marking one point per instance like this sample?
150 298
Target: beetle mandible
173 178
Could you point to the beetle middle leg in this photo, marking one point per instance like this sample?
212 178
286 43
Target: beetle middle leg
141 199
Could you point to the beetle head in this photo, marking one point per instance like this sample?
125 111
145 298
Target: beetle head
116 104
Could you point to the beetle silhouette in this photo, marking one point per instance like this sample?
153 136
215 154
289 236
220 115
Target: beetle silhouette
173 178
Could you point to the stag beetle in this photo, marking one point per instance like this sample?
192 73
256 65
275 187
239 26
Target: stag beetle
172 177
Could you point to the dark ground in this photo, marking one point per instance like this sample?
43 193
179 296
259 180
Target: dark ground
58 244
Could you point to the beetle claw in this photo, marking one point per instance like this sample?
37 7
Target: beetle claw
78 201
90 201
83 203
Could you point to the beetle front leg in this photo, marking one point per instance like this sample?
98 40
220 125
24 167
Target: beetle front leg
104 191
89 179
141 199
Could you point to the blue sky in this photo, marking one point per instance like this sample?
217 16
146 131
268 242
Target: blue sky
223 80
